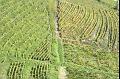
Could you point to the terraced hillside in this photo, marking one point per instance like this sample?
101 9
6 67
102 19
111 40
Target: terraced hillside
40 39
26 48
90 39
89 25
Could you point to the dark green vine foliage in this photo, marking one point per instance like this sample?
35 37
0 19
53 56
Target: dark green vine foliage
98 0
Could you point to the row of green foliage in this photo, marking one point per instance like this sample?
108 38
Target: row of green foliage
28 46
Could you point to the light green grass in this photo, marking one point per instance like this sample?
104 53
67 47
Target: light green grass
82 62
106 4
28 47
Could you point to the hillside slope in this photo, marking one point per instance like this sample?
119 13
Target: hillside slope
27 41
52 39
90 38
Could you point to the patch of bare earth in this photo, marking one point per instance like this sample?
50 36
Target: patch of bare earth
62 73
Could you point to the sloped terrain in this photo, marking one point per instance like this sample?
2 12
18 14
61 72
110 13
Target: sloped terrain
89 25
40 39
26 40
82 62
90 38
105 4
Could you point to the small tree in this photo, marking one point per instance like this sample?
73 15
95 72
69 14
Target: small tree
117 5
98 0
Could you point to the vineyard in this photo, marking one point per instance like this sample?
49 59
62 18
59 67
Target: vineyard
83 24
25 40
90 37
37 37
